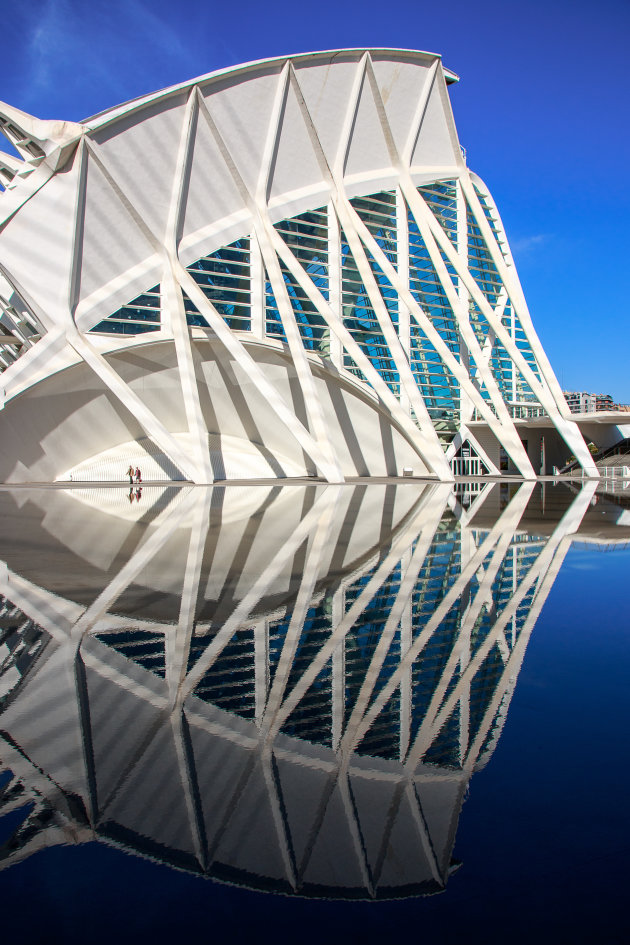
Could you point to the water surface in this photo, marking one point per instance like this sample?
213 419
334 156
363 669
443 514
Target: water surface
314 711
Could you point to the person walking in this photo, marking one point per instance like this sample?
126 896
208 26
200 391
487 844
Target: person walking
130 474
138 474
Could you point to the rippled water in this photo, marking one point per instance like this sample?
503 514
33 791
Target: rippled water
304 711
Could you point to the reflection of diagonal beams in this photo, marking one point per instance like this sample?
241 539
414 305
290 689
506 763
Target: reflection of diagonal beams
167 522
319 546
355 830
450 598
17 761
283 834
398 547
249 601
538 568
55 614
386 636
465 516
178 638
87 745
483 595
188 779
505 688
423 831
245 548
316 825
215 841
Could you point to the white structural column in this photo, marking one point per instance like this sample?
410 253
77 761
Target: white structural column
174 302
422 212
154 427
235 347
257 289
427 445
402 249
312 405
337 328
78 340
244 359
431 444
432 450
334 283
505 429
459 371
410 193
313 408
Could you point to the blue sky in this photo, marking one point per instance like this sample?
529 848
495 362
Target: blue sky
542 110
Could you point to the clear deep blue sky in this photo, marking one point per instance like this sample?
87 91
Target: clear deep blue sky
542 109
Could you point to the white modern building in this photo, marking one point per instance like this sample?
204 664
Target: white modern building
282 269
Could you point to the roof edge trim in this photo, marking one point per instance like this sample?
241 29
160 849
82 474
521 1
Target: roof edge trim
109 114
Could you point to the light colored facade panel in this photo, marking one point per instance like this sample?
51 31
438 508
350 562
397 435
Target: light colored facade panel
243 113
152 144
401 85
326 93
111 242
37 244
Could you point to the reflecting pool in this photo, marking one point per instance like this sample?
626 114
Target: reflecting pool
307 709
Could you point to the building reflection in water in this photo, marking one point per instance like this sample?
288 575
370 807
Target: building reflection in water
284 687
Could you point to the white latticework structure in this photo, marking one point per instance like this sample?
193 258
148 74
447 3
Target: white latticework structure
283 269
287 688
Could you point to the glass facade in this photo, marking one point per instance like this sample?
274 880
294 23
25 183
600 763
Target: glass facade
320 247
139 316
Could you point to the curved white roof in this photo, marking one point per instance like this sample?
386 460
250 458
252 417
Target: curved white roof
105 210
284 136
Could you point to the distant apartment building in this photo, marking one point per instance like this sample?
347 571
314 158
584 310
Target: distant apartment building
583 402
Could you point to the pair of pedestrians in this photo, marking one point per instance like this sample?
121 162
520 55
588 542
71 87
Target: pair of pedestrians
131 472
